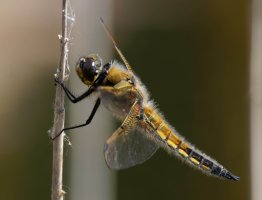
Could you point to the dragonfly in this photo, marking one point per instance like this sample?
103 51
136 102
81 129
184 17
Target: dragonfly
143 130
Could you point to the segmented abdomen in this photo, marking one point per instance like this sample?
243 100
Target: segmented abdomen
175 143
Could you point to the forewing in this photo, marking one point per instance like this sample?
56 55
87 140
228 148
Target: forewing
123 150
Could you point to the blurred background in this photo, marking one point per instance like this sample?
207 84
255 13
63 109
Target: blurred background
195 57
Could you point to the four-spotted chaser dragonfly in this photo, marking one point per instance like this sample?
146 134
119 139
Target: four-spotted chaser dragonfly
143 129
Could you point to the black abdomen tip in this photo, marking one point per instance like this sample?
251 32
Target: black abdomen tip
230 176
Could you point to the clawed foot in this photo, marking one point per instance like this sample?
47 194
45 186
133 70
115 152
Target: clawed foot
56 136
58 82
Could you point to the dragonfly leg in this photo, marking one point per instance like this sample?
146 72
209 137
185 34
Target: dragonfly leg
90 90
69 94
72 97
88 121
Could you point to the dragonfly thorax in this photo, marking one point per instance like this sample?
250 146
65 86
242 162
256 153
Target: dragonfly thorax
88 68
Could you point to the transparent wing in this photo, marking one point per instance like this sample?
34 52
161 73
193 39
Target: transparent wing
123 150
129 68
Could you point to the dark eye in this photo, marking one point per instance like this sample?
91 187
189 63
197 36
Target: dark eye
81 63
88 68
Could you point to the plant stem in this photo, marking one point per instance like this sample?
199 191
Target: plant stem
59 113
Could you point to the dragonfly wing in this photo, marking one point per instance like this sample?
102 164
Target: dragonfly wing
128 147
123 150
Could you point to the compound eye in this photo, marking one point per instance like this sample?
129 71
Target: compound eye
88 68
82 62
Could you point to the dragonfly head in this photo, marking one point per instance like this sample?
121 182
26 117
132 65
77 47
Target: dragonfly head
88 68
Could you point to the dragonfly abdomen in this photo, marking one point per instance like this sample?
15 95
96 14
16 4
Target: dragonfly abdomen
174 143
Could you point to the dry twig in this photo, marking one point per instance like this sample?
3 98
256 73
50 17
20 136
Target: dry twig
59 114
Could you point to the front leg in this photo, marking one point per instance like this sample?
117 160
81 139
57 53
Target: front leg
90 90
72 97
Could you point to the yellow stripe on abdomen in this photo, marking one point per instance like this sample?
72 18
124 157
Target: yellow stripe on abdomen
175 142
158 127
162 128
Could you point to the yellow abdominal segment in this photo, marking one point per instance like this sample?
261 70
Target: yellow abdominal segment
174 141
